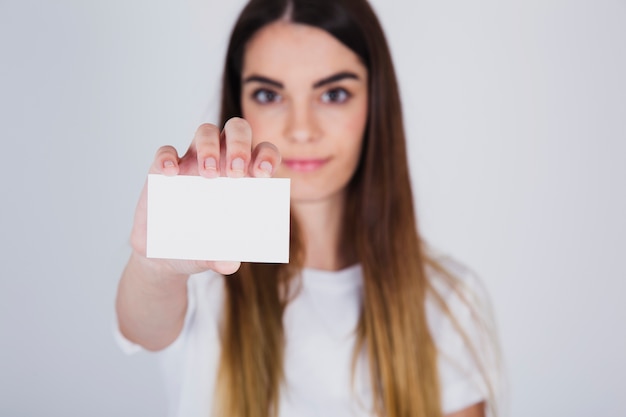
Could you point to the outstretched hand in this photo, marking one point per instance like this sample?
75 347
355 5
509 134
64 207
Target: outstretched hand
212 154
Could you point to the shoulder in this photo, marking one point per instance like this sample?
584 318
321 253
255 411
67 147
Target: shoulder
457 294
457 300
461 323
450 278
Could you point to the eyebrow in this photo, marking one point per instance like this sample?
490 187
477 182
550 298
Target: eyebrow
324 81
334 78
263 80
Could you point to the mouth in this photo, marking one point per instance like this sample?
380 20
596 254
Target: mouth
305 165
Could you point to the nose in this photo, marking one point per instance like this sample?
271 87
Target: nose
302 124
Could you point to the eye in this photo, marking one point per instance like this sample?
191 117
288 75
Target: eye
265 96
336 95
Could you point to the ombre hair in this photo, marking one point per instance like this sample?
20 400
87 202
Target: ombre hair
379 231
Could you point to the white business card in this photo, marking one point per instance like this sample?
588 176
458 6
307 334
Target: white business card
218 219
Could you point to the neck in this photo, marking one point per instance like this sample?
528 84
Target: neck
320 223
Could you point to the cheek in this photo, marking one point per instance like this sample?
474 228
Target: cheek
353 129
357 124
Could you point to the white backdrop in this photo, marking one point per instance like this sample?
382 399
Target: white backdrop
516 114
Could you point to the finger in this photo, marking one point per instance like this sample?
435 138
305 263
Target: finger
225 267
265 159
221 267
165 161
187 267
206 144
238 141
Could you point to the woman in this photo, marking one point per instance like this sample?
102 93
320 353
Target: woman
363 321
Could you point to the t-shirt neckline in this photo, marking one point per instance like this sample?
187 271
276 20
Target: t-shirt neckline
349 277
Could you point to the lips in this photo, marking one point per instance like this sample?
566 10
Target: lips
305 165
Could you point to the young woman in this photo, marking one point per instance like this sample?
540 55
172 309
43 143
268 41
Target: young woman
363 321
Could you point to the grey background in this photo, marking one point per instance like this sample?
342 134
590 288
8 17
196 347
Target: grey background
516 114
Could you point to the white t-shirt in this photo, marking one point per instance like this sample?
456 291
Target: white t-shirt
320 335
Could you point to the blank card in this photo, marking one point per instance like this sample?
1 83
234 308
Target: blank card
218 219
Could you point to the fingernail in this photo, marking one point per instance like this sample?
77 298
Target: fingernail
237 164
210 163
266 167
168 164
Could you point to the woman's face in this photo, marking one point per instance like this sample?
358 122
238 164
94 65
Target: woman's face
306 92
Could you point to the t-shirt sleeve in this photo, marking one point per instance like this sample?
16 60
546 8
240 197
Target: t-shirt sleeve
464 339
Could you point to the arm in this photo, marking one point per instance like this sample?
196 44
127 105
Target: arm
150 304
152 293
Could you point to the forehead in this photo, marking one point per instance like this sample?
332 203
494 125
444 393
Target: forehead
292 50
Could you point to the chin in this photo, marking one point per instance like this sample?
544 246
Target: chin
303 195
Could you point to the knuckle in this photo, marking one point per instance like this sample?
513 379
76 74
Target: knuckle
207 140
167 149
210 147
269 147
238 145
165 152
238 126
207 130
268 150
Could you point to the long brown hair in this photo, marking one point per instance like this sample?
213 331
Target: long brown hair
380 229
